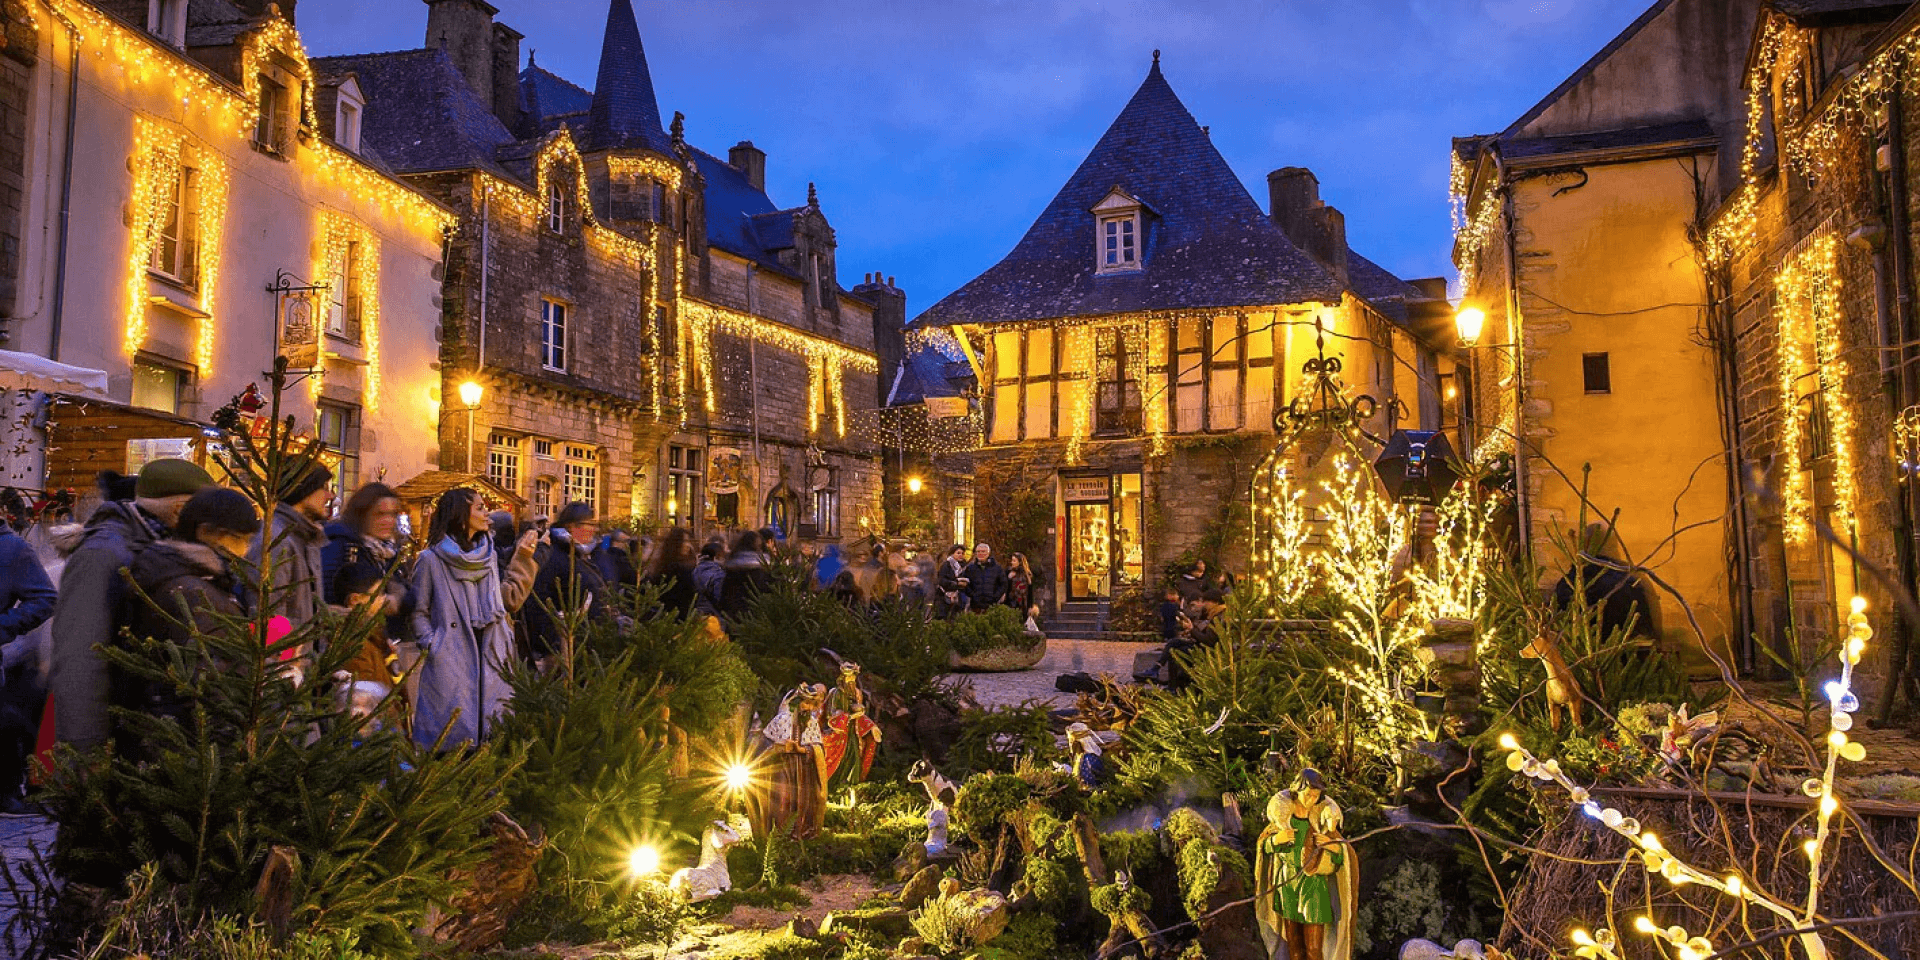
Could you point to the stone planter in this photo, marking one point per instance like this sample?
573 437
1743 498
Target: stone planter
1001 659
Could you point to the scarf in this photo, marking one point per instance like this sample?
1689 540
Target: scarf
476 575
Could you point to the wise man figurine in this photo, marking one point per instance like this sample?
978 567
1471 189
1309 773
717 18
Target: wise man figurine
791 796
1089 765
852 737
1306 874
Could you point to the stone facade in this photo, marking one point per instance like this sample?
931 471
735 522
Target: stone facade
20 52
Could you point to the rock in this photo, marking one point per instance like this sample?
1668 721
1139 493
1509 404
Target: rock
1002 659
989 915
912 860
921 887
802 927
934 725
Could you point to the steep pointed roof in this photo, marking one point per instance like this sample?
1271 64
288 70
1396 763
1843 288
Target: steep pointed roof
1208 244
625 112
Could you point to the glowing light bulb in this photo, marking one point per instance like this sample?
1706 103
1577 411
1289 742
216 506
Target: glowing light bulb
1582 938
1812 848
644 861
1645 924
1828 805
1859 604
1650 841
1734 886
1508 742
738 776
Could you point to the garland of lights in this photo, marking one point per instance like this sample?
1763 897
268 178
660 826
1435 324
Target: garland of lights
1732 230
157 164
827 360
340 236
276 36
1809 310
644 166
1843 703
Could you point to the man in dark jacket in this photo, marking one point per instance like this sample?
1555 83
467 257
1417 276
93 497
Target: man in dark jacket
26 601
986 579
567 582
93 592
709 579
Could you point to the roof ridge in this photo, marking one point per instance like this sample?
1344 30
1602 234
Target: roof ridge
1573 79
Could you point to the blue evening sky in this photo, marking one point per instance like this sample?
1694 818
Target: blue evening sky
937 130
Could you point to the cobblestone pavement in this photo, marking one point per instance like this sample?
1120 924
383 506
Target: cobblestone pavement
18 837
1063 656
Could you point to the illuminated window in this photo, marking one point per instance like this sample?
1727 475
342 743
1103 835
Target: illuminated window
157 386
826 511
684 489
553 335
543 449
347 296
503 461
1118 393
176 250
582 474
339 431
543 498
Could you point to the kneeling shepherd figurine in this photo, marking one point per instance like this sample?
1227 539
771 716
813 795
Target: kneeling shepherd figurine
1306 874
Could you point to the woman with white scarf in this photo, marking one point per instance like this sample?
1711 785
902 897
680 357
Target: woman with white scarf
463 621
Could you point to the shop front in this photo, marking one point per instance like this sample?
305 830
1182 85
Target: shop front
1100 549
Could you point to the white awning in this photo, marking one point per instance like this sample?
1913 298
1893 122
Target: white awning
25 371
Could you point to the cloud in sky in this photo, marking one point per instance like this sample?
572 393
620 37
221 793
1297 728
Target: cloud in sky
938 129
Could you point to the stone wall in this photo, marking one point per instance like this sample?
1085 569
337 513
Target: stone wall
17 58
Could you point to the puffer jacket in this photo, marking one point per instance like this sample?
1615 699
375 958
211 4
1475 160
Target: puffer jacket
185 588
86 616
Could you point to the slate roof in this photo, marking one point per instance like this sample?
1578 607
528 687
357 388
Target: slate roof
1801 9
927 372
546 94
217 23
1210 245
421 115
624 112
1530 147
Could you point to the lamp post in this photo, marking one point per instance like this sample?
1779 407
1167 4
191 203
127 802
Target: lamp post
470 394
1468 323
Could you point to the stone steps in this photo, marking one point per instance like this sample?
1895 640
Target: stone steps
1077 621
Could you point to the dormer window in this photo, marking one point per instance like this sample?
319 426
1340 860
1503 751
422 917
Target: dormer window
348 109
1118 233
273 129
167 19
556 205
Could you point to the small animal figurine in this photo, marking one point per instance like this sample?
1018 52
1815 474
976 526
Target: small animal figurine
940 796
709 878
1563 693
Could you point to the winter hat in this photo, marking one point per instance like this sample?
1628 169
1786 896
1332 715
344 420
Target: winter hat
229 510
304 487
572 513
170 478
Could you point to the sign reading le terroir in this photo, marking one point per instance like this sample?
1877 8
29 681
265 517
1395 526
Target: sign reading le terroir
1083 489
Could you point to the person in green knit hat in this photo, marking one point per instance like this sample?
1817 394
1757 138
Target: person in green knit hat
1306 874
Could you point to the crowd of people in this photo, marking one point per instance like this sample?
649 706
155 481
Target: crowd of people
169 554
1189 605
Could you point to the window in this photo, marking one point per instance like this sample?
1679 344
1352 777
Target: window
503 461
176 251
346 125
1119 243
543 449
553 335
556 203
962 524
1118 394
339 432
270 131
543 498
1223 375
1190 366
346 296
684 490
826 512
157 386
659 204
1598 374
583 476
167 19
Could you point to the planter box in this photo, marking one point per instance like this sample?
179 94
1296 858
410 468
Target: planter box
1001 659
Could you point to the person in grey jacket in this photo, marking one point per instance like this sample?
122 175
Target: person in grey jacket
293 540
93 590
463 622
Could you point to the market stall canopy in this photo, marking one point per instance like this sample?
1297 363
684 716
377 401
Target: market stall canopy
25 371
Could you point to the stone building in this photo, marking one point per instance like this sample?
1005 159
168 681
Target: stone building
190 163
1132 351
1577 238
651 333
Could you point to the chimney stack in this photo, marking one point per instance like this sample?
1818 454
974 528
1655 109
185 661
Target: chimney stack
1320 231
750 161
465 29
889 326
505 98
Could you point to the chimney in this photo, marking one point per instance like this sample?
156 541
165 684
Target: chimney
465 29
506 75
1433 288
889 324
1320 231
751 161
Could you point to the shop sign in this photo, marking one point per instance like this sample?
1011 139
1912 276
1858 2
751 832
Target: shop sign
1085 489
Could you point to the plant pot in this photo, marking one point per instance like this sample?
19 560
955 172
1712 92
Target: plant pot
1001 659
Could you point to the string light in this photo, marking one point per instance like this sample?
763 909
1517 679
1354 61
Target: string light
1654 855
158 164
1808 311
342 238
826 359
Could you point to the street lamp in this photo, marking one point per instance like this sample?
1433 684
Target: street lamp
914 485
1468 323
470 394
